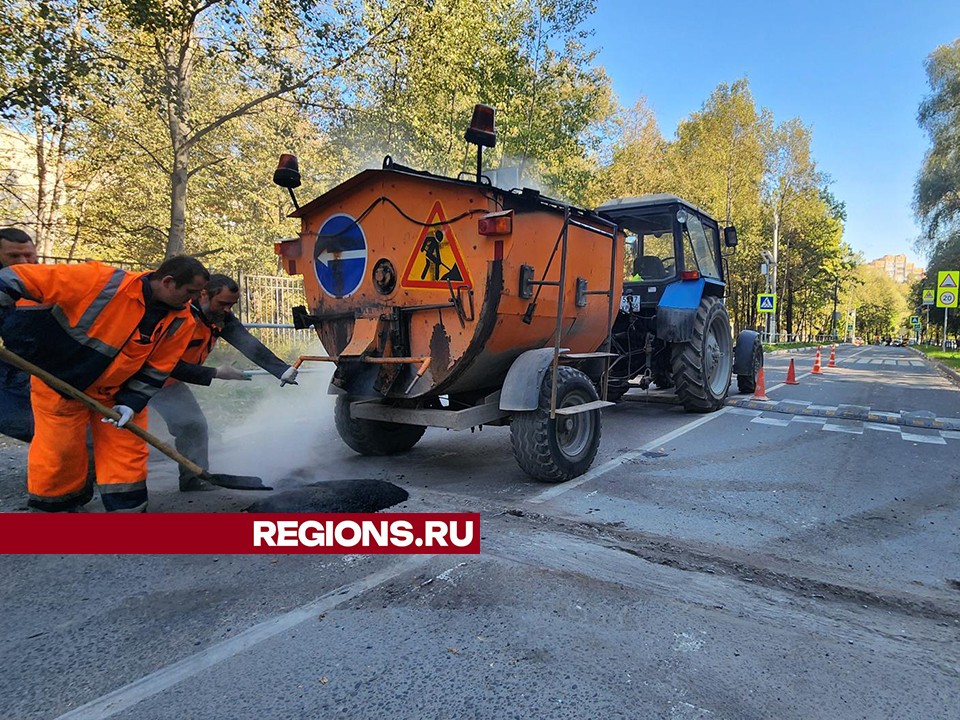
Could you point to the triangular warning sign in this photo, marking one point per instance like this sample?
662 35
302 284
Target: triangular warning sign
948 281
435 258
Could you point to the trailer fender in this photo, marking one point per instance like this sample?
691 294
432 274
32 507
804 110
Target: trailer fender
677 309
521 388
743 353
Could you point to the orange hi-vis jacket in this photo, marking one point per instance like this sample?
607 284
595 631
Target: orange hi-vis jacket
84 329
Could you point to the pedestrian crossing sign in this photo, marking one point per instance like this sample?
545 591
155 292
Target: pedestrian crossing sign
915 320
766 302
947 281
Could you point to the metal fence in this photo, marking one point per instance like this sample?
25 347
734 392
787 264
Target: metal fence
267 299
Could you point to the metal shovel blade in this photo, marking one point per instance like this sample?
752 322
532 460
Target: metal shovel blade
235 482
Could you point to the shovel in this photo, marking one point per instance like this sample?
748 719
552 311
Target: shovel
234 482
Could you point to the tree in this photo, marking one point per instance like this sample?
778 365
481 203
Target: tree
791 186
717 162
414 95
637 164
278 48
53 65
937 190
880 303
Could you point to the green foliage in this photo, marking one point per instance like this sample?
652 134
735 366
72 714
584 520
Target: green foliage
937 196
178 111
414 95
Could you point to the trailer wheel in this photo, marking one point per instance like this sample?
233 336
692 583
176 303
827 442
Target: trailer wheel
563 448
748 383
702 367
373 437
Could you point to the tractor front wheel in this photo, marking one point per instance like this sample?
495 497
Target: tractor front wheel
562 448
749 345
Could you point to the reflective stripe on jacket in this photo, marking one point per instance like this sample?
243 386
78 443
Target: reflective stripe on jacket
84 329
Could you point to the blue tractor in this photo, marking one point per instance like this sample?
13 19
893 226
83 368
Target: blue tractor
672 329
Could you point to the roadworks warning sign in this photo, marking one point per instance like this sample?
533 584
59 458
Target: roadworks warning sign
435 260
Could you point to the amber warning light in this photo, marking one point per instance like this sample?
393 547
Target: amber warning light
499 223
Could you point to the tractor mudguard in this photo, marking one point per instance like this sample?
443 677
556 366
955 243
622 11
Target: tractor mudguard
521 388
677 309
743 353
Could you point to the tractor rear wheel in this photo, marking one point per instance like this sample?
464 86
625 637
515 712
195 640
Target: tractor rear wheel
373 437
563 448
702 366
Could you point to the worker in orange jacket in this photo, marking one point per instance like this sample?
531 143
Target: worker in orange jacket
175 402
115 335
16 418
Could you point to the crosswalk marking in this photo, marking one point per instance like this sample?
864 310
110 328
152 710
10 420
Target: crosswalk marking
900 363
929 439
854 427
882 427
771 421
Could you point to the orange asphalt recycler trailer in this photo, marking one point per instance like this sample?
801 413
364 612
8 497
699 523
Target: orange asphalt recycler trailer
452 303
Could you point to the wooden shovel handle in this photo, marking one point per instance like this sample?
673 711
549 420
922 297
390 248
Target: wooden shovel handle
70 391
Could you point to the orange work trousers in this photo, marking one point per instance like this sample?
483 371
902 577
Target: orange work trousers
57 462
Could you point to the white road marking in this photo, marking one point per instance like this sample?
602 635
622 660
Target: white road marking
952 434
811 420
882 427
625 457
770 421
745 411
929 439
156 682
852 429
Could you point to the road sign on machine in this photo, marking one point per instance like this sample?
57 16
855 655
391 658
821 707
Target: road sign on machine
340 255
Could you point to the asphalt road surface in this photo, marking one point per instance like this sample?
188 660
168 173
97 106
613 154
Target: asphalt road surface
797 558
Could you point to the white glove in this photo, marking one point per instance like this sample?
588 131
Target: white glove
289 377
126 414
229 372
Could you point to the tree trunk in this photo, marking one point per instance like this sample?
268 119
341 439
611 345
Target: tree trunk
178 63
178 204
40 231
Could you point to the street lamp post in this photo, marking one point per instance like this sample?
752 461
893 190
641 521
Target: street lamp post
833 321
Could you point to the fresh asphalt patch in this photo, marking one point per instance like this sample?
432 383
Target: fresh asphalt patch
333 496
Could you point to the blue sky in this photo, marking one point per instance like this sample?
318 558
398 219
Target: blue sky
851 70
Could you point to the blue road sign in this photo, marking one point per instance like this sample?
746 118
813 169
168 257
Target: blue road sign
766 302
340 255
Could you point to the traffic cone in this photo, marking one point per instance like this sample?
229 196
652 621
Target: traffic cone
833 356
791 375
760 393
816 364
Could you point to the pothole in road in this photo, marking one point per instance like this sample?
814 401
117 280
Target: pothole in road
333 496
